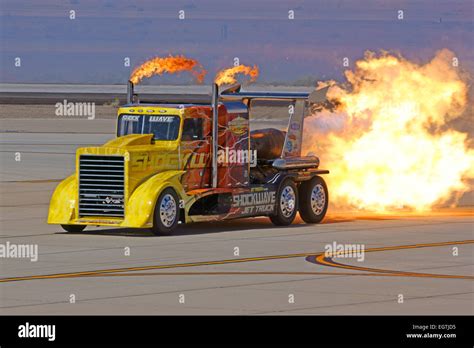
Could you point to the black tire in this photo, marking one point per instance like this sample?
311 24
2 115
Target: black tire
281 216
160 228
73 228
314 199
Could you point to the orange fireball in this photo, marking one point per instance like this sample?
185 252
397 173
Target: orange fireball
388 143
227 76
171 65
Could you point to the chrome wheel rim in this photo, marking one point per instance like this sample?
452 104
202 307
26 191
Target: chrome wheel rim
168 210
287 201
318 199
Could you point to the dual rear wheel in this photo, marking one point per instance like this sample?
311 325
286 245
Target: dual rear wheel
311 199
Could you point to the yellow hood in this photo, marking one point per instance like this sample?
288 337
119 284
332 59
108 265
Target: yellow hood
130 140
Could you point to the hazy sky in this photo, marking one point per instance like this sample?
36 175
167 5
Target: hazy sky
92 47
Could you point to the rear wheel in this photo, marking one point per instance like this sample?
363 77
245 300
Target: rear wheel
286 205
313 200
166 215
73 228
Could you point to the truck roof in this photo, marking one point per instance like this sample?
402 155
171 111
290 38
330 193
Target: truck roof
231 106
164 105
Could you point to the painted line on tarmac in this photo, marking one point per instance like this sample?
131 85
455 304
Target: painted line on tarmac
447 276
147 268
241 260
326 261
39 181
323 260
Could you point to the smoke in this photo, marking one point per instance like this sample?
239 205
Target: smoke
388 138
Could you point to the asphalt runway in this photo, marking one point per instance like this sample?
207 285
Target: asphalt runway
427 259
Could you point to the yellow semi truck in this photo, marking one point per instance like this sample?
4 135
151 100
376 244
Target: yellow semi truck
175 162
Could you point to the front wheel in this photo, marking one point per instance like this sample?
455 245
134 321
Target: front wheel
286 204
313 200
166 214
73 228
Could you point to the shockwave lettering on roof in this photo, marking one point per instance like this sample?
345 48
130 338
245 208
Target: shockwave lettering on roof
130 118
161 119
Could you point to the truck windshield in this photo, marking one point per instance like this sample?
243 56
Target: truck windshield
162 127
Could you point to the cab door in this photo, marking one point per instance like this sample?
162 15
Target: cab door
195 150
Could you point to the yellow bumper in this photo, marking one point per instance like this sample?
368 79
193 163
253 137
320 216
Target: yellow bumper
139 206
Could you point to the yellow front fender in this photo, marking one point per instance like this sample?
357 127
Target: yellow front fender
63 202
141 204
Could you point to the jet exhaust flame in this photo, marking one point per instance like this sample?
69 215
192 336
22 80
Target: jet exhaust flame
388 141
227 76
171 65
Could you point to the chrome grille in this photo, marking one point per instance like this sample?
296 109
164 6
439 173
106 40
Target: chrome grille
101 185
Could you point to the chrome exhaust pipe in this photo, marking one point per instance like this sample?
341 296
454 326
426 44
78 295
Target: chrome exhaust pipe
130 92
296 162
215 131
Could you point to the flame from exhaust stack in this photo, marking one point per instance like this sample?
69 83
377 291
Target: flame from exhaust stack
227 76
388 143
171 65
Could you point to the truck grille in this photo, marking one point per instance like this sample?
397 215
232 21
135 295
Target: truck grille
101 185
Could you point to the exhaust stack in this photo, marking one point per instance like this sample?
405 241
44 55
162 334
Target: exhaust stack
215 133
130 92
